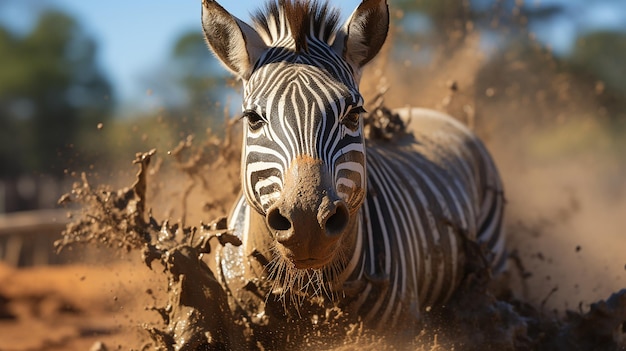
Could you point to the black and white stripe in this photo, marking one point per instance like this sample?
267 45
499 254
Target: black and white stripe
302 109
426 195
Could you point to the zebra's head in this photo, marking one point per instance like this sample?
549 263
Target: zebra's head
303 164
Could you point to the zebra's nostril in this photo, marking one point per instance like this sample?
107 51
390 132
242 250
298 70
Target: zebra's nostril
277 221
337 222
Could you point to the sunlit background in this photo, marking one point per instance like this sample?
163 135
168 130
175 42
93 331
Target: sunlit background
86 84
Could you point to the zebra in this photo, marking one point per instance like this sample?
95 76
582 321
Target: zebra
376 227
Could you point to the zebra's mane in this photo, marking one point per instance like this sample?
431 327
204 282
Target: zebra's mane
298 19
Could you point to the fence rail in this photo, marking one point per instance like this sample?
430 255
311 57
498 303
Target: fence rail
27 238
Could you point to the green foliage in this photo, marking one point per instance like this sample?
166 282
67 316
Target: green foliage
603 55
51 91
197 70
438 10
196 74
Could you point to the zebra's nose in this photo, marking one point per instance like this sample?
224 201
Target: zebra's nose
276 221
334 218
288 222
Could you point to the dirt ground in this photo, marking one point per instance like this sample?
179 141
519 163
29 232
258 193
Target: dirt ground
72 307
565 182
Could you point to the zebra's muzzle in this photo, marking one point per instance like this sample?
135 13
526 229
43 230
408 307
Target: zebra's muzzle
309 218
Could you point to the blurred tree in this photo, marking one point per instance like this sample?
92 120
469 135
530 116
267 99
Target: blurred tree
201 80
51 91
444 13
196 69
444 19
603 55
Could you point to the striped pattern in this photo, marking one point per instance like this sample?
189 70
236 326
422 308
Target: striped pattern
416 200
303 108
427 193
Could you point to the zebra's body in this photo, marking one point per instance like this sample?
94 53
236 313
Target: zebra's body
434 188
377 227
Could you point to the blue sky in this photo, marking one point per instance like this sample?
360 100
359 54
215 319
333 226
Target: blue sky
135 37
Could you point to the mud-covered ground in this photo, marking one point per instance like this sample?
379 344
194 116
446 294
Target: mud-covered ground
564 175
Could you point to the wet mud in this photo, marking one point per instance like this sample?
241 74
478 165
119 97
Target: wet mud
484 314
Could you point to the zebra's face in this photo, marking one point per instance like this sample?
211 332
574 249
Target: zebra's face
303 163
304 157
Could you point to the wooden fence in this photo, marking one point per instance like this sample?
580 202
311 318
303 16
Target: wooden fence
27 238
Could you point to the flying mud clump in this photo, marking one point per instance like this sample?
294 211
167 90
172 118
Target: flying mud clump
197 313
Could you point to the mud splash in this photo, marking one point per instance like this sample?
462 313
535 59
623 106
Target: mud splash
483 314
197 314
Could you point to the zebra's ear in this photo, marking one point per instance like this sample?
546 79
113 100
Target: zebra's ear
236 44
364 33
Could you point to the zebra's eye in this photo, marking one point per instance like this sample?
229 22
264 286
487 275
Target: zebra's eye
351 119
255 121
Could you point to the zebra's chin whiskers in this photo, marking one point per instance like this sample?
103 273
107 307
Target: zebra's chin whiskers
294 286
